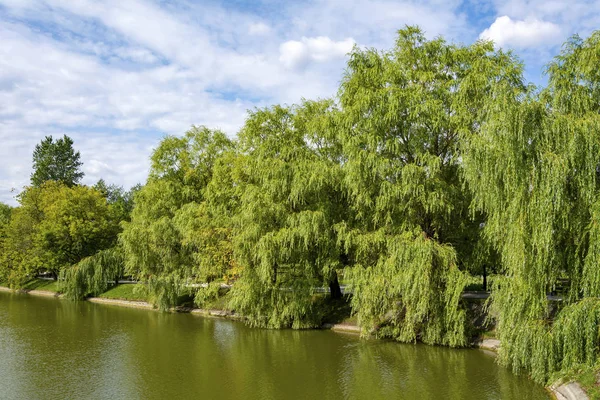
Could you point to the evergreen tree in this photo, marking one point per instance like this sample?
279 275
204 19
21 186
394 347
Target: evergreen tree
56 161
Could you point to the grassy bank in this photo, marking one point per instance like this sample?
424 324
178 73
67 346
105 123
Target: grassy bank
127 291
37 284
588 378
41 284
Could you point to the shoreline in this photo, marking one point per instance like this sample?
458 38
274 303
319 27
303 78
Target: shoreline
561 391
558 390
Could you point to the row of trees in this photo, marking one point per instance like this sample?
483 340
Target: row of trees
434 163
58 222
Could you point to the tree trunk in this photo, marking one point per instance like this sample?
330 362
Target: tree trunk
274 277
335 291
484 278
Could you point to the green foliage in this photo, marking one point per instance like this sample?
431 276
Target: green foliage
56 161
412 292
169 229
93 275
120 200
533 170
55 227
5 214
292 198
403 112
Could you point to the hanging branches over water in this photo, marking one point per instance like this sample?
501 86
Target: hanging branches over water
434 162
93 275
533 170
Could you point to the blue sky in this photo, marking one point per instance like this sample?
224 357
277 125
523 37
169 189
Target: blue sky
117 75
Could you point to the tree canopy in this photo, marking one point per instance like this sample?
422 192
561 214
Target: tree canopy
54 227
533 170
157 245
402 114
434 163
56 161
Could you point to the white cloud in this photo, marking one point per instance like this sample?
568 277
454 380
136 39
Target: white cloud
138 54
259 28
116 75
296 54
522 34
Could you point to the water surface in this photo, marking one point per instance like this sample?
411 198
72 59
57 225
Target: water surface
57 349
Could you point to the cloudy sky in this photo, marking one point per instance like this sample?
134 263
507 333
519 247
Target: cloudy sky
117 75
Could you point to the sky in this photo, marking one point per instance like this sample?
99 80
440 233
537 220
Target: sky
118 75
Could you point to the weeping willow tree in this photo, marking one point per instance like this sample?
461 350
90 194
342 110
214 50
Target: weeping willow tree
533 169
291 201
157 250
206 228
93 275
411 233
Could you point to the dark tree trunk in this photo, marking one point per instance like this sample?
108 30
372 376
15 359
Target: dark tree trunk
274 277
335 291
54 275
484 278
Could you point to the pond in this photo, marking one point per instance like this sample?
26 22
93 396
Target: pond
57 349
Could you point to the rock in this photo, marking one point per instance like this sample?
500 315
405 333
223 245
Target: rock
569 391
489 344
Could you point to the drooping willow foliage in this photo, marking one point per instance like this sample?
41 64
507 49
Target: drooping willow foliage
93 275
292 199
402 113
533 170
434 161
158 247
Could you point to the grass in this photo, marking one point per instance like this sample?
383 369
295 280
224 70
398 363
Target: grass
475 283
220 303
41 284
490 334
125 291
589 378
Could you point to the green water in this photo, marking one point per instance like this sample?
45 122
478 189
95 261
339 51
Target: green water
56 349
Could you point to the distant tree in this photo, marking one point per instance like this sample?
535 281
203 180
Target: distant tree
5 212
53 228
56 161
121 200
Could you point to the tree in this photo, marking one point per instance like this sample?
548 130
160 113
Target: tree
5 211
5 214
56 161
411 230
55 227
156 250
292 198
533 169
121 200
